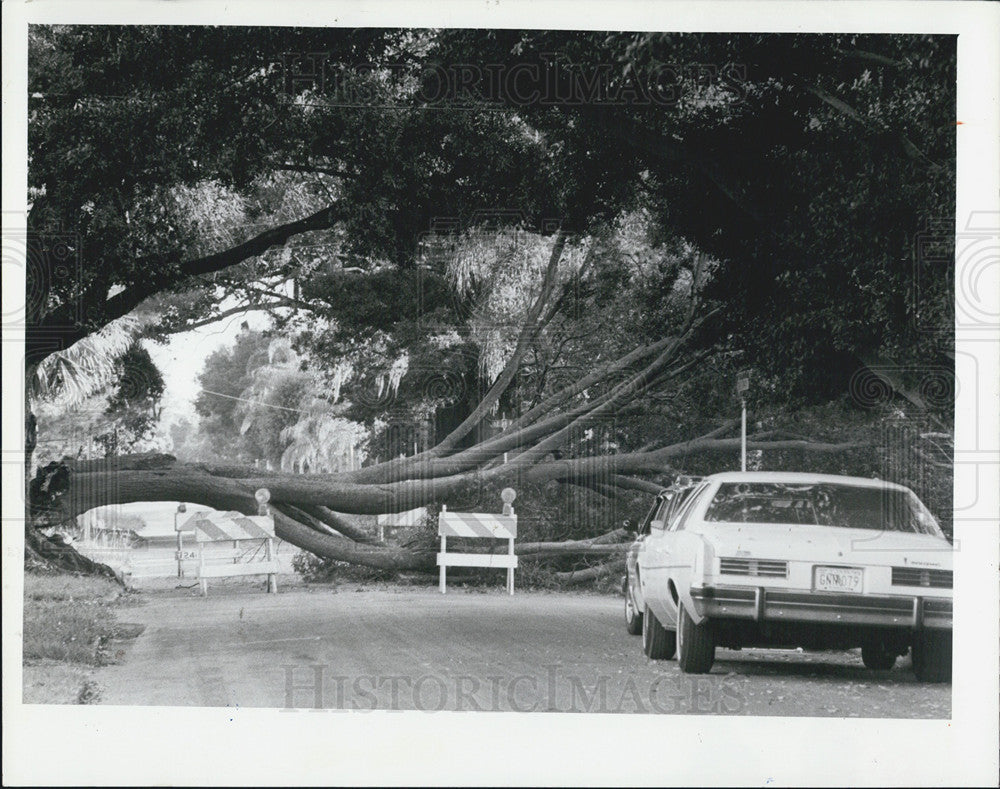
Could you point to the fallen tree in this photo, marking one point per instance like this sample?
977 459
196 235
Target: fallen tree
308 509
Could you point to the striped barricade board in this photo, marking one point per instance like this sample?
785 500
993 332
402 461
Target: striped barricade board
225 526
476 525
232 544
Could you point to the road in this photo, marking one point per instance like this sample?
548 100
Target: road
412 648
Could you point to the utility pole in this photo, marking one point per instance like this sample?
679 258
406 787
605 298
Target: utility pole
742 386
743 436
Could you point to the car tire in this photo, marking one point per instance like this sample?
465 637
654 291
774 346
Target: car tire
633 617
931 655
695 644
658 643
876 656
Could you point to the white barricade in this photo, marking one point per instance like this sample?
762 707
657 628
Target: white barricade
477 524
232 544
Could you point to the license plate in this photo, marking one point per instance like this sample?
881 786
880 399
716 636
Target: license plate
838 579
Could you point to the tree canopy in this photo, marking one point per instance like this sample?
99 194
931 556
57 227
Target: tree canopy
807 165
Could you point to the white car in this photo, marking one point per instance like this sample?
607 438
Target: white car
774 559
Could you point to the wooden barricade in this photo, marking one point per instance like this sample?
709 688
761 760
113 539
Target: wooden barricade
477 525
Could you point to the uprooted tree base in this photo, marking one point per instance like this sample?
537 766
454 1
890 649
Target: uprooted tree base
44 554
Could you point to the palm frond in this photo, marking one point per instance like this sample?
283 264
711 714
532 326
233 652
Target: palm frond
72 375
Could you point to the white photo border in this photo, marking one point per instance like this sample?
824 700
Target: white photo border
75 745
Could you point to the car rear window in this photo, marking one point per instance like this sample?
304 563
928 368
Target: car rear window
822 504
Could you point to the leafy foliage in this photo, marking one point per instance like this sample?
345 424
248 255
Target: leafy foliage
260 404
808 167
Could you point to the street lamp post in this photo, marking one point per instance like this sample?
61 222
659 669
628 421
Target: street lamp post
181 508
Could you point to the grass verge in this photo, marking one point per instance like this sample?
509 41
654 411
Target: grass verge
67 618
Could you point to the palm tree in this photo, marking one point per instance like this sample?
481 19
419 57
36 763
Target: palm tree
296 426
86 367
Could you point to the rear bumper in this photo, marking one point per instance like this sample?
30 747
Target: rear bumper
779 605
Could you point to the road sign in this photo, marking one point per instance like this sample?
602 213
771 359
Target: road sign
742 382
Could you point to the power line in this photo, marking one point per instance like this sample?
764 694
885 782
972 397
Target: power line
255 402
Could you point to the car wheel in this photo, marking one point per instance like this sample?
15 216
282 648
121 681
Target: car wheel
932 657
633 618
695 644
657 642
877 657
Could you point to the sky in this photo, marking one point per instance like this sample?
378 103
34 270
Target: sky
182 358
158 516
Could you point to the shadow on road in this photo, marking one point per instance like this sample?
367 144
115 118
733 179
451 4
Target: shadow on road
834 666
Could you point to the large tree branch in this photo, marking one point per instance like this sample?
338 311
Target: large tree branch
61 328
242 309
302 504
604 408
339 522
381 557
397 468
554 430
160 478
659 461
328 522
908 146
302 516
529 331
666 347
591 573
520 432
634 483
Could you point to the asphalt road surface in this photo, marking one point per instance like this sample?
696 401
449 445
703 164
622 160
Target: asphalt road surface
412 648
